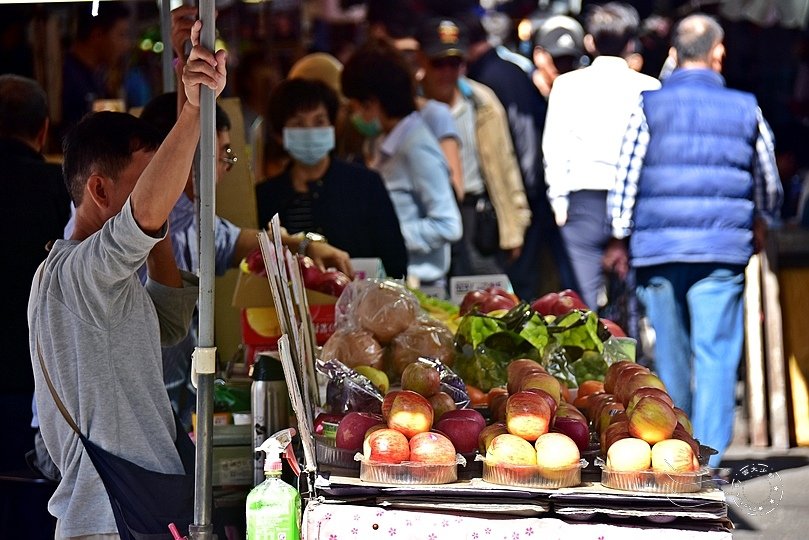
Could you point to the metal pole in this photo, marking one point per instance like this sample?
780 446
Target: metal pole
202 529
169 81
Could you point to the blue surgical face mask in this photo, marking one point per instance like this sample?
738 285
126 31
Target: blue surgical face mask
309 145
365 128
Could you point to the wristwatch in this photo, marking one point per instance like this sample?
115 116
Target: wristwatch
308 238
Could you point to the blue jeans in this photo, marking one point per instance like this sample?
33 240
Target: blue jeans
698 315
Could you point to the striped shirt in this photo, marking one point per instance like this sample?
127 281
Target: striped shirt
621 201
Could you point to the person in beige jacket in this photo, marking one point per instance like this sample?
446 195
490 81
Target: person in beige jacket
492 181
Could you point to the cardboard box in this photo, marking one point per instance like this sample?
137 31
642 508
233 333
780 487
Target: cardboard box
259 321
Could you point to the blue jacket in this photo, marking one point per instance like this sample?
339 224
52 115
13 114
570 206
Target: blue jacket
695 193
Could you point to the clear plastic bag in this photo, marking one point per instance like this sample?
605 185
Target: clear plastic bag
354 347
424 339
383 307
347 390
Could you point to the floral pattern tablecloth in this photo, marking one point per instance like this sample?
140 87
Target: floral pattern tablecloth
347 522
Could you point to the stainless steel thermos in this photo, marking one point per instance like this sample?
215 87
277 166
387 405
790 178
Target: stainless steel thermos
269 404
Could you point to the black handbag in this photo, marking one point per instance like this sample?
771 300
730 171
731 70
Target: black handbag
143 502
486 236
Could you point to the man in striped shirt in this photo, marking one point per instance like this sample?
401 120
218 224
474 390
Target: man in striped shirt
696 188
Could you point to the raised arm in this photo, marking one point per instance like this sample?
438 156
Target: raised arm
163 180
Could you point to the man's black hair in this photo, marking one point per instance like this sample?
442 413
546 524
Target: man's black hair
613 26
23 107
103 143
161 113
695 36
109 13
295 95
378 71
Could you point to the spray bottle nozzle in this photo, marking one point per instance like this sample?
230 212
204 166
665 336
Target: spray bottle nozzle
276 445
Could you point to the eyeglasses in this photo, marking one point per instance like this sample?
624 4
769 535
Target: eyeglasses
229 159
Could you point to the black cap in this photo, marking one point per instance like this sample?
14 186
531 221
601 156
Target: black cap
560 35
443 37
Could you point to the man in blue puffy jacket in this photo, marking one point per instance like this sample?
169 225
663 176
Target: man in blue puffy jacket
696 188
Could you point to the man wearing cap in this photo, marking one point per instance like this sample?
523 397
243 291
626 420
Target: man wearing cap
491 174
558 48
588 111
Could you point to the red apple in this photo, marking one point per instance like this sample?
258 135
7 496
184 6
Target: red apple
352 428
615 432
575 428
421 378
683 420
386 446
309 271
544 305
637 381
652 420
612 328
500 291
556 455
527 415
387 402
547 397
468 414
566 409
488 433
410 413
567 302
432 448
463 432
510 449
331 282
442 403
493 302
543 381
471 300
641 393
612 374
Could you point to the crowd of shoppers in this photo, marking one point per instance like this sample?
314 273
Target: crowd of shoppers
427 147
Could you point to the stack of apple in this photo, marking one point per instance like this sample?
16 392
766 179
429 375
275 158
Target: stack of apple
535 428
641 431
418 424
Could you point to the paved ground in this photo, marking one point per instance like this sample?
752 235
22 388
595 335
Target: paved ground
768 492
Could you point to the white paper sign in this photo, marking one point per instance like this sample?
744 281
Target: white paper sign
460 285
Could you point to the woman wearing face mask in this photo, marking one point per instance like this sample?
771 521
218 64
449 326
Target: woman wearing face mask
380 89
319 196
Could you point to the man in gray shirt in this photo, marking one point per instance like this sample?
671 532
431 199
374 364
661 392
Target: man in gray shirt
97 328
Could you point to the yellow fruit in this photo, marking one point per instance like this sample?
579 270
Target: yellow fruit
263 321
497 313
377 377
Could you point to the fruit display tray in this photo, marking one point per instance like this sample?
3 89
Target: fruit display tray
655 481
532 476
409 472
331 456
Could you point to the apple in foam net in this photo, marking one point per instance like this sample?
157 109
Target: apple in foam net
508 449
410 413
351 429
386 446
432 447
488 433
629 454
556 455
387 402
673 455
527 415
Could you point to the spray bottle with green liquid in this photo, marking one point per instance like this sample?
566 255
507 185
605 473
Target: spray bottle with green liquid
273 506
